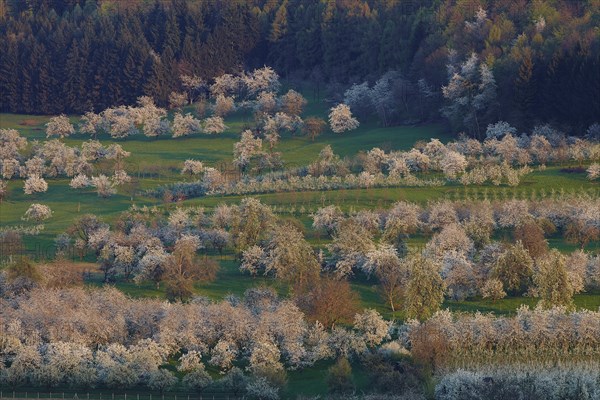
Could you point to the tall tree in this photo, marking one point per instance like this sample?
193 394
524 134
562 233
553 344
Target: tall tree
425 288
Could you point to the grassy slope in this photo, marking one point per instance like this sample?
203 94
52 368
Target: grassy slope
157 161
163 156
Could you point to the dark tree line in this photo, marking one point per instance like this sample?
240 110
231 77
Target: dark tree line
92 56
75 55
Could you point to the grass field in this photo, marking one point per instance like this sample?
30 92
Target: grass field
157 161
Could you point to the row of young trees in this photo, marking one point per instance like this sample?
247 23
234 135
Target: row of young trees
460 260
59 337
552 337
496 383
524 63
33 162
501 159
68 342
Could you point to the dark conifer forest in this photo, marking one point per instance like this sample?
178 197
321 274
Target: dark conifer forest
300 199
72 56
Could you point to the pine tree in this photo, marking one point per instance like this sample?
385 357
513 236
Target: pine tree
28 76
9 77
172 35
74 79
525 88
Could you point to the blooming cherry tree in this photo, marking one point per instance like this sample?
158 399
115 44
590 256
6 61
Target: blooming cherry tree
453 164
223 105
35 184
192 167
37 212
593 172
103 185
184 125
341 119
373 328
246 148
214 125
80 181
157 126
59 126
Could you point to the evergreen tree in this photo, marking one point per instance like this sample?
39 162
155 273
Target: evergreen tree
9 76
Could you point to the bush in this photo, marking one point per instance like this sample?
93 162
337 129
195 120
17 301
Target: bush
391 376
339 377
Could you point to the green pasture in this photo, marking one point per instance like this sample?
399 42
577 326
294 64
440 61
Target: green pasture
68 203
157 161
166 152
230 281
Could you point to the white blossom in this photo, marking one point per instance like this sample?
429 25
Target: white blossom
103 185
120 177
214 125
373 328
35 184
157 126
593 171
453 164
37 212
262 80
341 119
59 126
192 167
80 181
184 125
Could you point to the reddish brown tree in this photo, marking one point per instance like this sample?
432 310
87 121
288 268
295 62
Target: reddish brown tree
532 237
330 302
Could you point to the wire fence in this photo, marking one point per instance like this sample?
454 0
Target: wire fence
80 395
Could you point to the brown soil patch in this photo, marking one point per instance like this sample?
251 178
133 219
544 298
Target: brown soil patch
29 122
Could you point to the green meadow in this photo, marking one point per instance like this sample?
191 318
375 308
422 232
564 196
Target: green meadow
157 161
